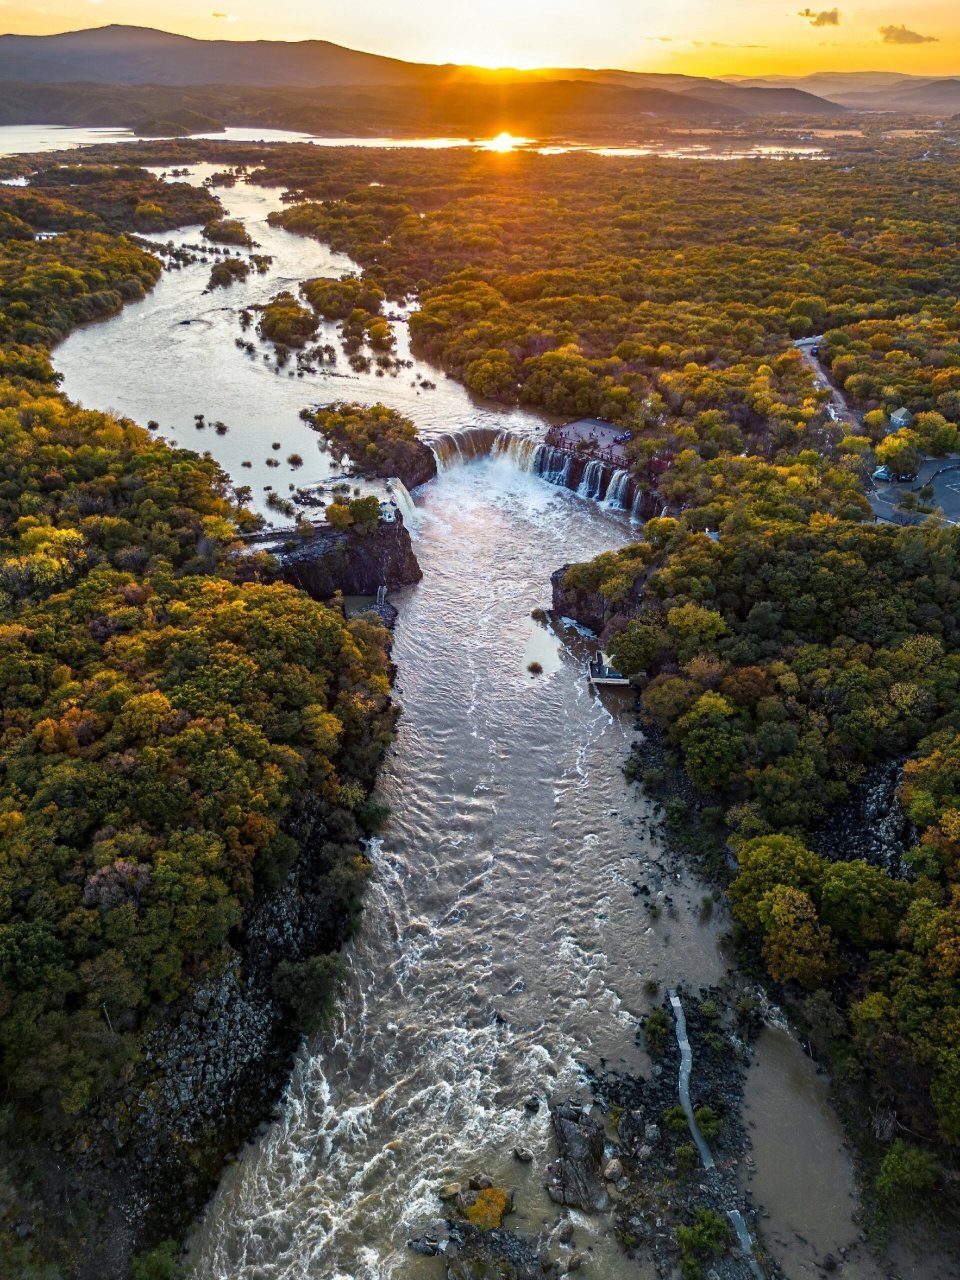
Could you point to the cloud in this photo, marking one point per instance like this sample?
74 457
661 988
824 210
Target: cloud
902 35
825 18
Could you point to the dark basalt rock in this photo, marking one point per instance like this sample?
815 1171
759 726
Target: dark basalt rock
354 563
473 1254
212 1068
590 609
575 1178
872 824
419 468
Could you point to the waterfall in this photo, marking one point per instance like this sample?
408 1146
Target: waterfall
401 495
593 479
636 508
618 490
592 484
458 447
521 450
454 448
553 465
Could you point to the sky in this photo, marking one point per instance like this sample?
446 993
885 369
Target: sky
702 37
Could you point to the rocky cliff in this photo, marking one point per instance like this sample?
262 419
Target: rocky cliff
590 609
355 563
214 1063
419 468
213 1066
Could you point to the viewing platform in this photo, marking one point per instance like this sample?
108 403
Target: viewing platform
601 672
592 438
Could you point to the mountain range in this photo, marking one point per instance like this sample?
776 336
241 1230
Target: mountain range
125 55
154 81
869 90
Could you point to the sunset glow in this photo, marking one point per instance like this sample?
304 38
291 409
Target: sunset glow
698 37
504 142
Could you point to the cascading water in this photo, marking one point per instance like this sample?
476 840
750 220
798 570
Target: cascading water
589 478
404 501
619 490
521 450
594 482
640 499
554 465
455 448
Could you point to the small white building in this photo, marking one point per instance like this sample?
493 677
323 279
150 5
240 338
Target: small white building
900 418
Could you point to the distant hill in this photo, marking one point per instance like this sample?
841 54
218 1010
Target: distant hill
870 90
140 56
939 97
569 109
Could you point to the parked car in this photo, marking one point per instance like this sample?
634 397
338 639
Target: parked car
906 477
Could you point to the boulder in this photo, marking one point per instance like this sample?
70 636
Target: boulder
478 1255
427 1246
575 1179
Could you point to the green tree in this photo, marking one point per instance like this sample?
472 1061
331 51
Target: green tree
310 988
767 862
796 946
907 1174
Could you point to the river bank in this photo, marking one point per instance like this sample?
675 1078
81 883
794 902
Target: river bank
247 890
500 945
501 948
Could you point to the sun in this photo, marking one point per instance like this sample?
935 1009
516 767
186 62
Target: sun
503 142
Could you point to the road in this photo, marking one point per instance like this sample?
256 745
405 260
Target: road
942 473
841 410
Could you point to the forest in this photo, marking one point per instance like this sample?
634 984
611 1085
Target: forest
801 645
165 702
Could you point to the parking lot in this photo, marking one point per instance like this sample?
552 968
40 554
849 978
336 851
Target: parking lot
942 473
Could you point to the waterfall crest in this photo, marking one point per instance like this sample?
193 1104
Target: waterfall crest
590 478
455 448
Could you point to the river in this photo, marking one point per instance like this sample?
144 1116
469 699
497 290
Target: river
32 138
502 945
174 355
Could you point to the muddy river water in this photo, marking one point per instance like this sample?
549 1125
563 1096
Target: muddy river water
502 947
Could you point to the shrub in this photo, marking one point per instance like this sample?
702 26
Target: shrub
906 1174
655 1030
310 988
158 1264
709 1236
